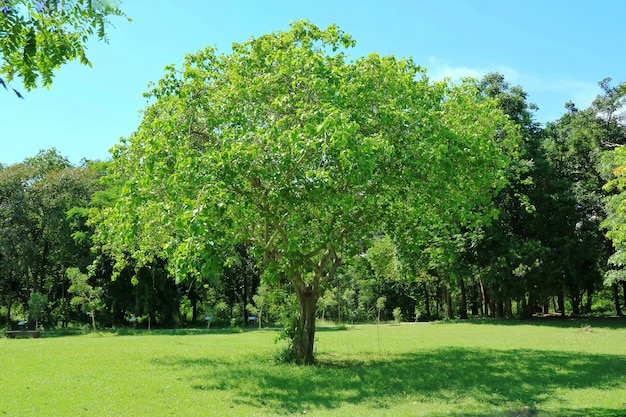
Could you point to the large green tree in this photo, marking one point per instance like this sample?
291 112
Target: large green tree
38 36
285 145
610 107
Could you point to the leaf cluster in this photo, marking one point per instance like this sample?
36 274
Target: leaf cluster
38 36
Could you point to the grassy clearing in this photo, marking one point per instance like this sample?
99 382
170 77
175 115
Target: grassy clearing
474 369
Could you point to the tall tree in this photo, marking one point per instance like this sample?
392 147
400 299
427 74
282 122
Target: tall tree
611 111
285 146
505 254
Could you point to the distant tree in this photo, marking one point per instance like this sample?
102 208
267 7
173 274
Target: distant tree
37 306
506 255
41 231
287 147
397 315
84 295
611 110
380 305
38 36
258 308
327 301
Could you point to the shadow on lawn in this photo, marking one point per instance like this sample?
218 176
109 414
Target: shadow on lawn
507 380
554 321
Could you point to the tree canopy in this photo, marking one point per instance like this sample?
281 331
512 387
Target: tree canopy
285 145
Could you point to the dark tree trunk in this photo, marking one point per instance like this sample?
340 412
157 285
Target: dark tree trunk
500 307
508 308
448 302
194 309
576 299
624 289
463 312
427 301
9 299
589 301
561 302
618 309
304 324
525 309
485 297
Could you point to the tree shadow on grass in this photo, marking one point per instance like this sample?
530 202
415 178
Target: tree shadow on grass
509 380
555 321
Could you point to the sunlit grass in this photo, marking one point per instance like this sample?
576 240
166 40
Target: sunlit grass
477 369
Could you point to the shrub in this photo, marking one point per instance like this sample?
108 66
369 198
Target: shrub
397 315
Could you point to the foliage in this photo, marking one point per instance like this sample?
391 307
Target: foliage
289 148
614 163
41 229
397 315
383 259
37 37
85 296
37 304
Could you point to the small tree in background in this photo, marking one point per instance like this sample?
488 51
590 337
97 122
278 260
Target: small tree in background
37 306
397 315
380 304
85 296
259 304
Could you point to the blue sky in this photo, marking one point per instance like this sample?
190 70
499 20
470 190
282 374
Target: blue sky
556 50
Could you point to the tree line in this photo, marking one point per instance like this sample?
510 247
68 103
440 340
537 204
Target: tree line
284 181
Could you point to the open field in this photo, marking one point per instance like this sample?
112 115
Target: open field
477 369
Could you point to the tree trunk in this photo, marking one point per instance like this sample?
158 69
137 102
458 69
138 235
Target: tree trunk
589 302
304 324
624 289
500 307
508 307
575 299
561 302
427 301
9 300
463 312
525 310
476 302
618 309
447 298
485 297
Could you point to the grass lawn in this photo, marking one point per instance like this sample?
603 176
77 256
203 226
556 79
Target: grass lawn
476 369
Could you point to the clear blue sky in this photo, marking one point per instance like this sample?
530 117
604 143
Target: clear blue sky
556 50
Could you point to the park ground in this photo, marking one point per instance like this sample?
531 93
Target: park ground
480 368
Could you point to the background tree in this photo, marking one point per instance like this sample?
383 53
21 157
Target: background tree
84 295
610 108
38 36
504 255
287 147
37 307
41 232
380 304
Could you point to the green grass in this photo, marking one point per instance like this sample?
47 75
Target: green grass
474 369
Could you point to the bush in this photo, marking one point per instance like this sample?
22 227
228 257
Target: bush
397 315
